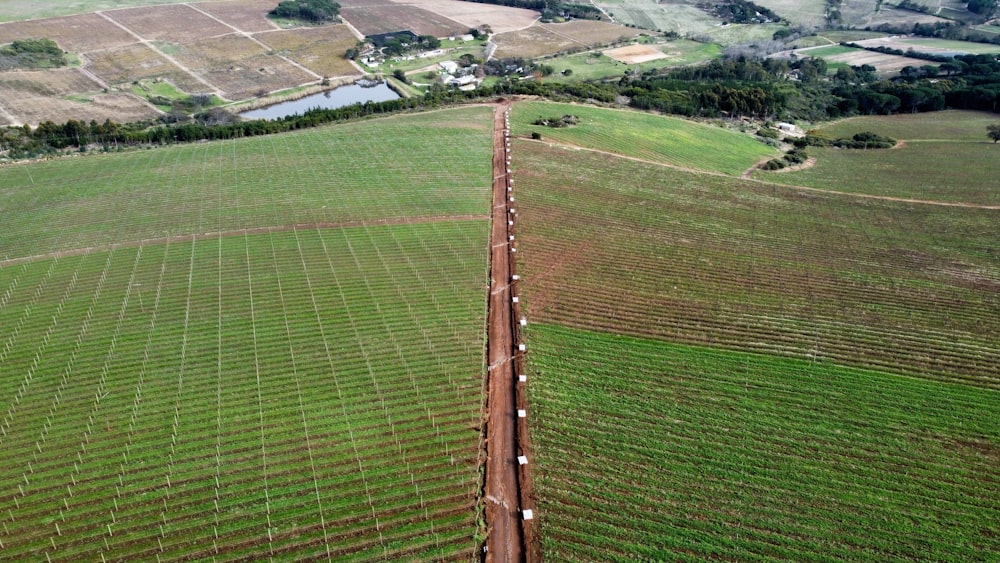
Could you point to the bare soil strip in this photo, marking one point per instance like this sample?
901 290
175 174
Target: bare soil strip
241 232
505 539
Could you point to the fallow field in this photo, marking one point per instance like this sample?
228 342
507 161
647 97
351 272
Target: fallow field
734 369
261 347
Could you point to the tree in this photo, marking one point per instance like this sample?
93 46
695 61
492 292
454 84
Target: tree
993 132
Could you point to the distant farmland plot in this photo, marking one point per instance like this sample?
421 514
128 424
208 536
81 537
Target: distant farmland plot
799 12
174 23
549 39
240 66
16 11
594 65
75 34
246 15
264 347
320 49
679 453
641 135
646 286
63 94
375 19
639 249
951 125
136 62
474 14
672 15
298 394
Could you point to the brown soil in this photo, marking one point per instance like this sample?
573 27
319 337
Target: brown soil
505 537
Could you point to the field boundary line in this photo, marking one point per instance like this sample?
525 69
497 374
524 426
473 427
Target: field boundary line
241 232
172 60
250 36
571 146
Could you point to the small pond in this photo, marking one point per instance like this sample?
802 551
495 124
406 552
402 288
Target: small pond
331 99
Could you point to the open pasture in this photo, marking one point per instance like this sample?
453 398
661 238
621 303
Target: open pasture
176 23
320 49
310 393
634 248
59 95
592 33
944 156
76 34
249 16
645 136
680 453
376 19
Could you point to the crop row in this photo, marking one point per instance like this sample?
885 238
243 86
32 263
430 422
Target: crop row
650 251
305 391
678 452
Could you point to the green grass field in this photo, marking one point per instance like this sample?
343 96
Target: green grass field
269 347
679 453
645 136
946 157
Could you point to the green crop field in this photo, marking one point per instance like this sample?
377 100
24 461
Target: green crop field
679 453
269 347
644 136
722 368
945 156
406 166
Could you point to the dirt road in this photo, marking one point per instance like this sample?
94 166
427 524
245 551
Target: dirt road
505 542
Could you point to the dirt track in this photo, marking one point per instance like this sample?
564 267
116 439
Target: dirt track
505 540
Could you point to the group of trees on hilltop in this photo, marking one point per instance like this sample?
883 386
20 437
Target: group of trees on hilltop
313 11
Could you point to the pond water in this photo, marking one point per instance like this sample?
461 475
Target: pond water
331 99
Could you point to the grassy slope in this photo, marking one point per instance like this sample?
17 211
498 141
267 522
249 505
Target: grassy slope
333 372
677 453
646 136
946 157
360 171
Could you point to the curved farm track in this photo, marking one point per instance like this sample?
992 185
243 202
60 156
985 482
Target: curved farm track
746 176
